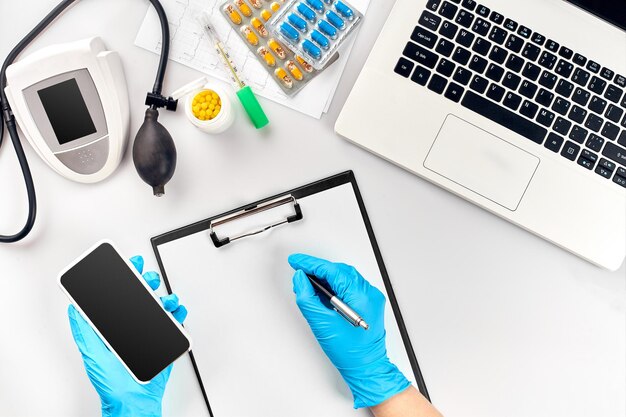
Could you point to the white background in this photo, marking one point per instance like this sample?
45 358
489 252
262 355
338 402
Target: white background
503 323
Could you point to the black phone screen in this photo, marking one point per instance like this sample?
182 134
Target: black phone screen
124 312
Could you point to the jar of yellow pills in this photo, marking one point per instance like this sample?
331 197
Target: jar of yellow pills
207 105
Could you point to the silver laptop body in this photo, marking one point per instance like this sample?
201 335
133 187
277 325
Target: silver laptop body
510 140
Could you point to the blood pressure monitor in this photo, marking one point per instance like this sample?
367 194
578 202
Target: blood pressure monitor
71 102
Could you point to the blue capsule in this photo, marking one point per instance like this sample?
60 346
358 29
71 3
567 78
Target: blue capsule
289 31
344 10
328 29
297 22
306 12
311 49
320 39
335 20
316 4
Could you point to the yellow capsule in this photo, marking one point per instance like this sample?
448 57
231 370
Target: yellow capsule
282 75
275 6
259 26
305 65
250 36
256 3
294 70
267 56
277 48
244 8
266 14
233 14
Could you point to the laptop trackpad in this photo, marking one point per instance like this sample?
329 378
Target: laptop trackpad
481 162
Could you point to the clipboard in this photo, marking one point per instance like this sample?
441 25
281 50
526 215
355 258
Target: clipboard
245 231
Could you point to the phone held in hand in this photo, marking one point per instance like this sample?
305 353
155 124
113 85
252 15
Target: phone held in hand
127 315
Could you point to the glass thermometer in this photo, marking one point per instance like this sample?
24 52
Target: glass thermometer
247 98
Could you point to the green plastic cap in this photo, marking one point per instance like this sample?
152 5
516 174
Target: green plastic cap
252 106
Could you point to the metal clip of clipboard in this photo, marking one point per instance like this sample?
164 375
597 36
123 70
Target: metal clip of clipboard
250 211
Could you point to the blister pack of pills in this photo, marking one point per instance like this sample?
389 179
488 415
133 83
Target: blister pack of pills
249 18
314 29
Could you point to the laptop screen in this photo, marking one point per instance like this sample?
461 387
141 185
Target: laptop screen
613 11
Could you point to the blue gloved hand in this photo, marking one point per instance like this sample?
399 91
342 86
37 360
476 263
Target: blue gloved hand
119 393
359 355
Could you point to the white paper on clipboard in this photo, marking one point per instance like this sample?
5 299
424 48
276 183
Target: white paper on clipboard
250 339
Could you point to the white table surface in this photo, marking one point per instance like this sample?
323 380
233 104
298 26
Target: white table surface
503 323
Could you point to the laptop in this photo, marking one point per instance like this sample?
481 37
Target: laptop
516 106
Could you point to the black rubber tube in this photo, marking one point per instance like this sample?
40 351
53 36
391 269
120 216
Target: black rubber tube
165 46
30 187
8 118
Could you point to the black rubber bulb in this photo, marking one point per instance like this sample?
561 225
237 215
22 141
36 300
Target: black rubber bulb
154 153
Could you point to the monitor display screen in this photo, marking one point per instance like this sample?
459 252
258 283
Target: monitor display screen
613 11
67 111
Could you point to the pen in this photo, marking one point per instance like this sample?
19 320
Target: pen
340 307
247 98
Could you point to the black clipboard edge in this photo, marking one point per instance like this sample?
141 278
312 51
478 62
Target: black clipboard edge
196 370
417 372
300 192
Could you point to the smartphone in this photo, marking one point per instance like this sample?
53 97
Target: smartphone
112 296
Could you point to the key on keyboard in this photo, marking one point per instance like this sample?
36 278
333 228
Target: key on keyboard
424 37
504 117
420 75
430 20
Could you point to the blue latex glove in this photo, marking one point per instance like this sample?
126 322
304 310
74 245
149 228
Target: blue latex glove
119 393
359 355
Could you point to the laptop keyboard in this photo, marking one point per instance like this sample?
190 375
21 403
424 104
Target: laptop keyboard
523 81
